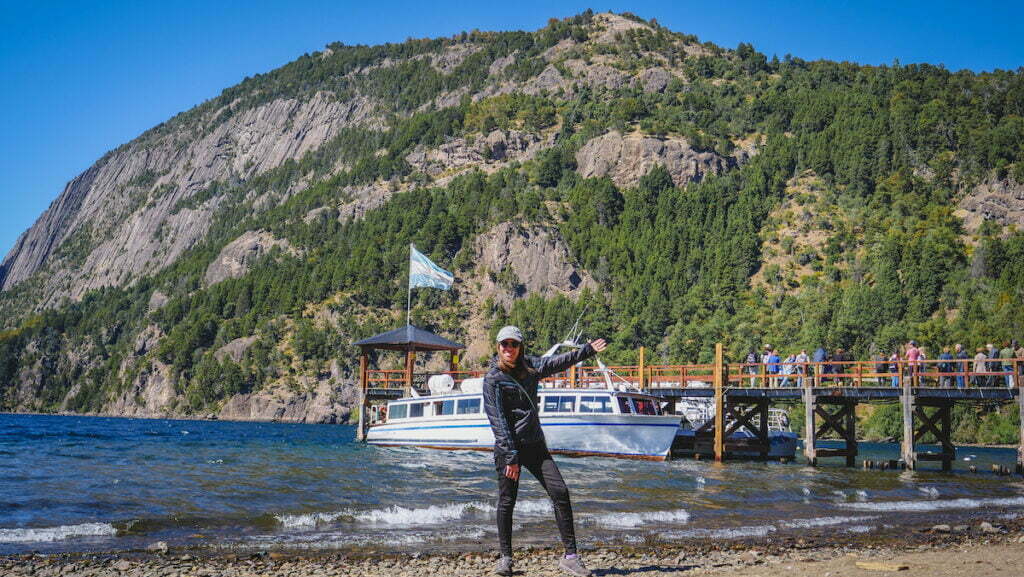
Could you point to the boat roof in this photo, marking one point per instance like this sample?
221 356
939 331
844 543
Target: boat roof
409 338
458 394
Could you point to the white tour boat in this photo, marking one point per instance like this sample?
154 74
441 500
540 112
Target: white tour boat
607 422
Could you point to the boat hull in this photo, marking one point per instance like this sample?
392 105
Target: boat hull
646 437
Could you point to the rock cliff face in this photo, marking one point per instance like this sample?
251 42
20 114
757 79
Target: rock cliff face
124 212
516 260
625 159
239 255
325 403
497 147
1001 201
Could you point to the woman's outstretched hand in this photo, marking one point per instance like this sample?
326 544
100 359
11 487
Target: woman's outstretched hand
512 472
598 345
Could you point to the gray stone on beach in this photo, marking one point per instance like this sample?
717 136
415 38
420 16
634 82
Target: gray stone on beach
986 527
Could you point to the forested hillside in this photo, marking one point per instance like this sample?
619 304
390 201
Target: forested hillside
705 194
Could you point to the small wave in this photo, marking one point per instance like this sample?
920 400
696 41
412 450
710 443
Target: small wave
533 507
820 522
397 515
432 515
633 520
725 533
49 534
930 491
308 520
937 505
859 529
862 495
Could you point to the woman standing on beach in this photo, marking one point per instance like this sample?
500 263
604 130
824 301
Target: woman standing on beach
510 400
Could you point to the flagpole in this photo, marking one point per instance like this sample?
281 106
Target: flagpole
408 304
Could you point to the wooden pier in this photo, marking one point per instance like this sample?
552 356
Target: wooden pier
743 394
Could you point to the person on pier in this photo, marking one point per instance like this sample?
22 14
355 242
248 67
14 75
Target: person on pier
961 355
510 401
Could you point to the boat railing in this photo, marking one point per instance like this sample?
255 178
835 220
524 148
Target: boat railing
385 379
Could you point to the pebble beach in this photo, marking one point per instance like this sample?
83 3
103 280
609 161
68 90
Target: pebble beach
981 549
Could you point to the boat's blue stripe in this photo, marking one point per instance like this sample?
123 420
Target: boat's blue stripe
674 425
441 444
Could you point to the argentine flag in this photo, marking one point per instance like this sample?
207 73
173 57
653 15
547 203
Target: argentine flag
424 273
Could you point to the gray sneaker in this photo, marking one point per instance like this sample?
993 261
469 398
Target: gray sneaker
574 566
503 566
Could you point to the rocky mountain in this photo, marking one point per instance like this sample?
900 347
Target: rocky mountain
222 263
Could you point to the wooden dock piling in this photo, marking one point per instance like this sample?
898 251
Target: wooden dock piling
907 401
719 377
810 438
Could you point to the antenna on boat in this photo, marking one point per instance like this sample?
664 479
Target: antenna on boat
575 332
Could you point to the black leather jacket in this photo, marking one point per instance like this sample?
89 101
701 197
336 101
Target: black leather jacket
511 406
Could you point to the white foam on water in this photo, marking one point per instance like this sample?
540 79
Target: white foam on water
935 505
49 534
633 520
859 529
725 533
533 507
333 539
930 491
862 495
432 515
308 520
821 522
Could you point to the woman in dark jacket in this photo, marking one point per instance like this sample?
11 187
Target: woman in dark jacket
510 400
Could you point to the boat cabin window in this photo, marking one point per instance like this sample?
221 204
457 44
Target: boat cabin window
624 407
645 407
416 410
559 403
469 406
599 404
398 411
444 407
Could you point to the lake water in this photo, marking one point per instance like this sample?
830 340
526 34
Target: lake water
98 484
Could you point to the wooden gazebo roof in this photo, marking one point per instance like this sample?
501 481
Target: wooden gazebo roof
409 338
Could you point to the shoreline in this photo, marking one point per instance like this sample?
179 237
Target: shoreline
346 423
169 418
980 548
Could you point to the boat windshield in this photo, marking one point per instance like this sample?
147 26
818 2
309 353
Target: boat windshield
624 407
645 407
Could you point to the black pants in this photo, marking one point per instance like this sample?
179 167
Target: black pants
537 460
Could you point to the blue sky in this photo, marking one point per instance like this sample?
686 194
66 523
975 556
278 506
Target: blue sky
80 78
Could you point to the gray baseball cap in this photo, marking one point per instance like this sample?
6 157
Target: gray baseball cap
510 333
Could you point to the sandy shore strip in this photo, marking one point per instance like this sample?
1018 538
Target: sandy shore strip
978 550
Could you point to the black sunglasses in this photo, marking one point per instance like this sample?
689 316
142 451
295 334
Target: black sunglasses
510 344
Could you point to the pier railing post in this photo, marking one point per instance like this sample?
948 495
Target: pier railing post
810 436
361 427
719 376
643 370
